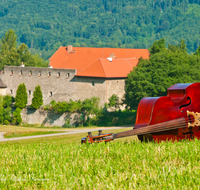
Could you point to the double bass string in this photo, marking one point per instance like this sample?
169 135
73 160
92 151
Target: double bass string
159 127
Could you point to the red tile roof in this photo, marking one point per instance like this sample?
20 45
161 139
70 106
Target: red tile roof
88 61
117 68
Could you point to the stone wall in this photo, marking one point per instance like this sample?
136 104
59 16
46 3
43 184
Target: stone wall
60 84
48 118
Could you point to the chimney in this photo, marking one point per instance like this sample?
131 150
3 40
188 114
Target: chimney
112 55
69 49
22 64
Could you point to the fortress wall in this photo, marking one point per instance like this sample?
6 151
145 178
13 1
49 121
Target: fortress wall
60 84
54 87
115 86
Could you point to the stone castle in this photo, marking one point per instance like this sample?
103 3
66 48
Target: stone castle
75 73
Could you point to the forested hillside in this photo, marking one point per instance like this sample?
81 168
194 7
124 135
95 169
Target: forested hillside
46 25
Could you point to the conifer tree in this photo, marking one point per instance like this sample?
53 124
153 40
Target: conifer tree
21 97
37 100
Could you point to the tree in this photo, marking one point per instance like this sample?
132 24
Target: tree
153 77
113 101
8 53
197 52
1 109
158 46
21 96
11 55
37 100
91 106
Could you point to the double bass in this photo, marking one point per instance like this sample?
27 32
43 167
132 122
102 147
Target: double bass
172 117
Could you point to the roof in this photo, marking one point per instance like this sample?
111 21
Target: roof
2 84
117 68
81 58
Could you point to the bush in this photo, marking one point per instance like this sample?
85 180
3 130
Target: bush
37 100
114 101
17 120
7 101
21 97
6 122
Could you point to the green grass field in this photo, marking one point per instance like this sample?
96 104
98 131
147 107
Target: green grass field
56 163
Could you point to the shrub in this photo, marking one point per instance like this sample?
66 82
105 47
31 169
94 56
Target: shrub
6 122
17 117
21 97
114 101
37 100
7 101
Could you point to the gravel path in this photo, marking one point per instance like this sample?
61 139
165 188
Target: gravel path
55 134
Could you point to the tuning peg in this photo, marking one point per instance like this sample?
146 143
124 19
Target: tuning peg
100 132
89 133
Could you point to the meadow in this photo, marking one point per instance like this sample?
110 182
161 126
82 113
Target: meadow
63 163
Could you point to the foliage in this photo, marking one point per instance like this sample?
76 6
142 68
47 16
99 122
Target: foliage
114 101
197 52
11 55
116 118
7 100
17 120
6 122
45 25
21 96
153 77
7 113
1 109
158 46
37 100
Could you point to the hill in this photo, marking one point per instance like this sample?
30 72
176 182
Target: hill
46 25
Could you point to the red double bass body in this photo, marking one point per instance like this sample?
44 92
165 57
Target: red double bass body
179 99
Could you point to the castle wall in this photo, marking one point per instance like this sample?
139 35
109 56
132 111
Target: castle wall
60 84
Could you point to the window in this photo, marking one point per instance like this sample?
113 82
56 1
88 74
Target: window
92 83
39 74
50 94
67 75
49 74
11 91
58 75
20 73
11 72
29 92
30 73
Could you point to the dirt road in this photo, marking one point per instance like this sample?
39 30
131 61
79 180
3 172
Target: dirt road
56 134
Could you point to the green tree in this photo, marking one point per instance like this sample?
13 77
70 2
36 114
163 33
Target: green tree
37 100
158 46
91 106
154 76
1 109
7 100
21 96
197 52
114 101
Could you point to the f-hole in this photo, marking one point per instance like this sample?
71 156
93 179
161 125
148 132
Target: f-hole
185 105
